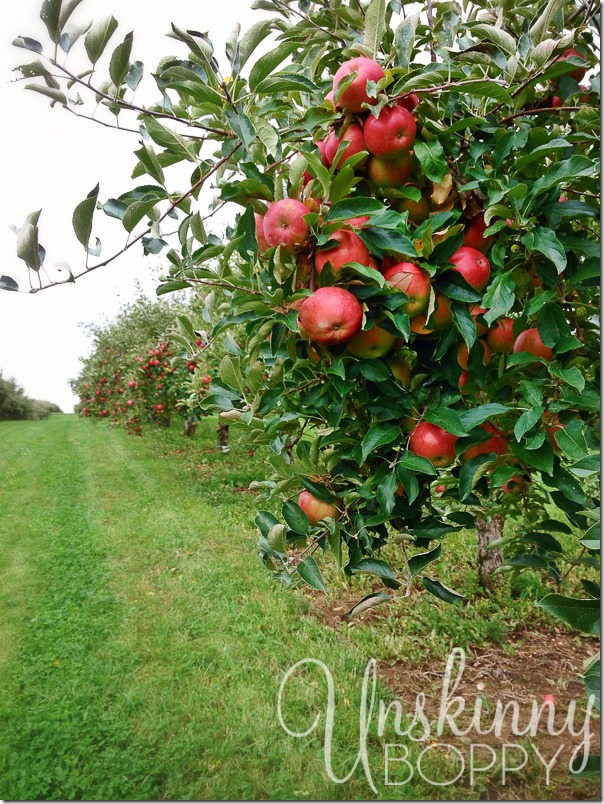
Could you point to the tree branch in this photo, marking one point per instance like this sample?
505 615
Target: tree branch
540 111
172 206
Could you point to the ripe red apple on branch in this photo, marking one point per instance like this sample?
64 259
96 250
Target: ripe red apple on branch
375 342
353 135
432 442
501 338
355 95
331 315
316 509
391 133
473 266
414 282
530 341
349 248
284 224
497 443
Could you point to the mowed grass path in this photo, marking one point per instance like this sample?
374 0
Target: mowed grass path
142 643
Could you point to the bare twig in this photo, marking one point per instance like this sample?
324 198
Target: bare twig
540 111
311 21
430 16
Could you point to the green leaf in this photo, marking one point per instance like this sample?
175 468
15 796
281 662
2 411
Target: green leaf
166 138
83 215
120 61
545 242
98 38
385 493
421 560
488 89
267 64
480 414
375 26
441 591
373 566
368 602
417 464
448 419
500 38
230 372
8 283
50 92
542 458
242 127
266 134
527 421
317 490
564 171
582 614
295 517
464 323
571 376
500 297
251 39
471 472
540 152
378 436
589 465
67 10
285 82
311 573
432 159
552 324
352 208
134 75
50 16
28 248
265 521
572 441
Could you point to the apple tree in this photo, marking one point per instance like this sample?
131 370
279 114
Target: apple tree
411 263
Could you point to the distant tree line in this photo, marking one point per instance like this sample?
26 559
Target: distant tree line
14 404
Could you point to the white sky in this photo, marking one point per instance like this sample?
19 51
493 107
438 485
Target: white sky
51 161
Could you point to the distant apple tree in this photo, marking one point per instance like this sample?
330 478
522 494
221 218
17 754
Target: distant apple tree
412 266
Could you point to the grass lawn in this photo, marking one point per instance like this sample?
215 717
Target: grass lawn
142 643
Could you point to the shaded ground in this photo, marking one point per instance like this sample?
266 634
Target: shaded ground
528 666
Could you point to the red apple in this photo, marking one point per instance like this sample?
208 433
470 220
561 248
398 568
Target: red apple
497 444
556 101
375 342
355 95
410 279
321 146
474 236
206 379
464 377
475 311
473 266
393 173
331 315
263 244
284 224
432 442
513 485
131 384
130 402
316 509
501 337
418 325
578 73
530 341
353 135
409 102
350 248
391 133
440 489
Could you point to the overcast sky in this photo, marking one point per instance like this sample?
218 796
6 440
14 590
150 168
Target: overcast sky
51 161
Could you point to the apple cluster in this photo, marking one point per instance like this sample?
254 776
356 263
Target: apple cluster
332 317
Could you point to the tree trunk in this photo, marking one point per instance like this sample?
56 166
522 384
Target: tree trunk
487 531
222 437
189 426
